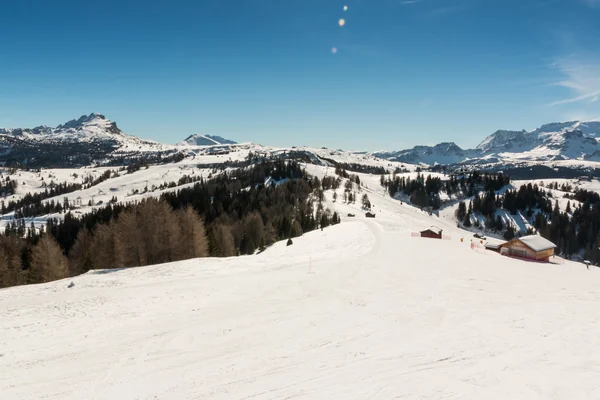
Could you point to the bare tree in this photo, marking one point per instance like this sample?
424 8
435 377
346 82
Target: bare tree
80 256
128 231
48 263
254 229
11 249
193 241
106 247
223 240
3 269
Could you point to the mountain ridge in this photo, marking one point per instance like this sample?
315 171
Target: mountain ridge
204 140
553 141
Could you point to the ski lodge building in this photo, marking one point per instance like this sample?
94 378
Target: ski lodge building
533 247
433 233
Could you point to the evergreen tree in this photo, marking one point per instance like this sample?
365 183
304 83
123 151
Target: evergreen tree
467 220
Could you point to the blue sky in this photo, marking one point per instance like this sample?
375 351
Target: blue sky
406 71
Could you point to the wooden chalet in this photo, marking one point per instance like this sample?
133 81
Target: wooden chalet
432 232
533 247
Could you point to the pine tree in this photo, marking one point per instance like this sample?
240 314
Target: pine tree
461 211
467 220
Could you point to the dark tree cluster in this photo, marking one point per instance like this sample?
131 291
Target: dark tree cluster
138 161
36 199
424 192
527 198
7 186
565 187
42 208
575 229
361 168
90 181
331 182
585 196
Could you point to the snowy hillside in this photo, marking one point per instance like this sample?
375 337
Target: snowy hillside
205 140
199 161
358 310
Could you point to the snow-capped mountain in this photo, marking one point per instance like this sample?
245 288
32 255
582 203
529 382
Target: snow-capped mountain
551 142
205 140
86 128
87 140
443 153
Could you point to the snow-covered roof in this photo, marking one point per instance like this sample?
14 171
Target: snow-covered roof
492 243
433 228
537 243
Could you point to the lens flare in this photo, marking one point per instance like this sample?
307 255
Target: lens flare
342 22
334 50
345 8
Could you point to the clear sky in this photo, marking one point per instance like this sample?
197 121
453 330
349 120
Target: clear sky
405 72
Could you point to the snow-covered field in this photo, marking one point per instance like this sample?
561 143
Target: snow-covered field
361 310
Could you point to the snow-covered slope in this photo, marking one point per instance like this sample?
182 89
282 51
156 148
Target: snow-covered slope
205 140
359 310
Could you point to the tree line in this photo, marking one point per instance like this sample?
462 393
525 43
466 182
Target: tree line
32 199
425 191
232 214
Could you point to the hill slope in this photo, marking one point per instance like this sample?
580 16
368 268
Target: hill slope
359 310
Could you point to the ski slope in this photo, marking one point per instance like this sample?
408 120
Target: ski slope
359 310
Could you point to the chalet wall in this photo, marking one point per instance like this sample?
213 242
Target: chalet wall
517 248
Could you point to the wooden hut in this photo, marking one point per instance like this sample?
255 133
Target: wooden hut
533 247
432 233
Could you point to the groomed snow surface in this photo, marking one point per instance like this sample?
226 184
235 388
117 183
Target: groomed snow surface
361 310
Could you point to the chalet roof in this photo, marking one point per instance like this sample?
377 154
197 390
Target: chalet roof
537 243
494 244
433 229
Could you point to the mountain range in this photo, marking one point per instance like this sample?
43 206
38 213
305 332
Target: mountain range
573 140
90 139
93 139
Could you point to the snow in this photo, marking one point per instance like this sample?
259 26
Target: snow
204 140
537 243
358 310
